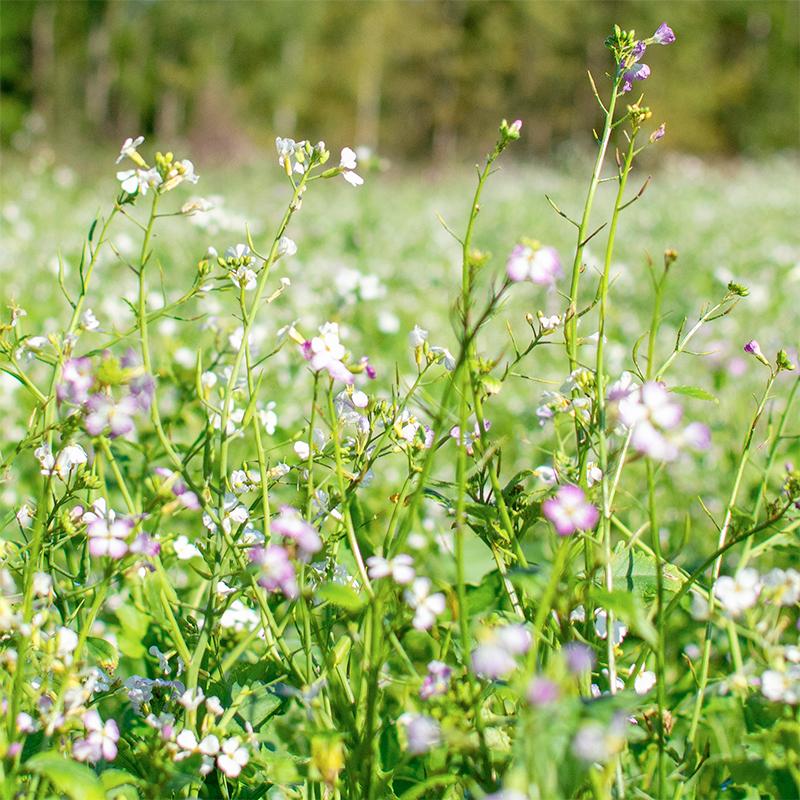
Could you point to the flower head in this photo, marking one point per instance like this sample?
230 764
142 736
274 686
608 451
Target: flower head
540 265
570 511
663 34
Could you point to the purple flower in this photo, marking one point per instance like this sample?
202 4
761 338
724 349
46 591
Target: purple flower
753 348
542 692
496 656
663 34
436 681
292 526
101 739
76 380
276 570
658 133
423 733
569 511
579 658
116 416
145 545
541 266
107 536
637 72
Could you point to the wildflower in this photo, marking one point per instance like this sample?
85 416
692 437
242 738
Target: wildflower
636 72
658 133
326 352
276 572
291 525
619 630
422 732
243 278
25 515
468 440
663 35
569 511
496 656
436 681
214 706
595 742
548 324
233 757
782 587
100 741
107 536
114 415
782 686
192 699
184 549
135 181
128 150
42 584
739 593
196 205
547 475
286 247
400 568
540 265
347 164
579 657
178 172
417 337
754 349
426 606
441 355
542 692
644 681
66 642
208 747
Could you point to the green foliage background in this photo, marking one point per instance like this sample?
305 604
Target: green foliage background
412 78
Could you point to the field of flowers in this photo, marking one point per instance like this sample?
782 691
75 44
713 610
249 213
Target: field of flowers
327 480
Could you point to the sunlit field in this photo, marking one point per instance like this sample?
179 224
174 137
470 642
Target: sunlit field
330 478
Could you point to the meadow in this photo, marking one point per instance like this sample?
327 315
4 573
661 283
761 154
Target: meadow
248 553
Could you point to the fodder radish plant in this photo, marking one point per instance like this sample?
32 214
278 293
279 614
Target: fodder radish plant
194 606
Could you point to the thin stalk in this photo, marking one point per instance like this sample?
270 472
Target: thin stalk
717 566
571 324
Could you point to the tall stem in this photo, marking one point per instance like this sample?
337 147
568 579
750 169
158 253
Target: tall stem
571 325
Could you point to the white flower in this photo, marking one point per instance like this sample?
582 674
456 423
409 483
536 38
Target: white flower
138 180
25 515
286 247
620 630
233 757
184 549
422 732
547 475
129 148
243 277
213 706
347 164
89 321
400 568
302 450
42 584
67 460
644 682
66 642
443 355
426 606
739 593
782 687
418 336
191 699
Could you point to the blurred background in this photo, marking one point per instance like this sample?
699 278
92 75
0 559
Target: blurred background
415 80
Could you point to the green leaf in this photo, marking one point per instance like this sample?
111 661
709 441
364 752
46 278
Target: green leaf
484 596
75 780
103 652
119 785
344 596
695 392
637 572
259 704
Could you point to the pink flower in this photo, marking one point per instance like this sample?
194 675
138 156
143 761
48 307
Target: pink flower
292 526
101 740
436 681
76 380
663 34
276 570
541 266
569 511
107 536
